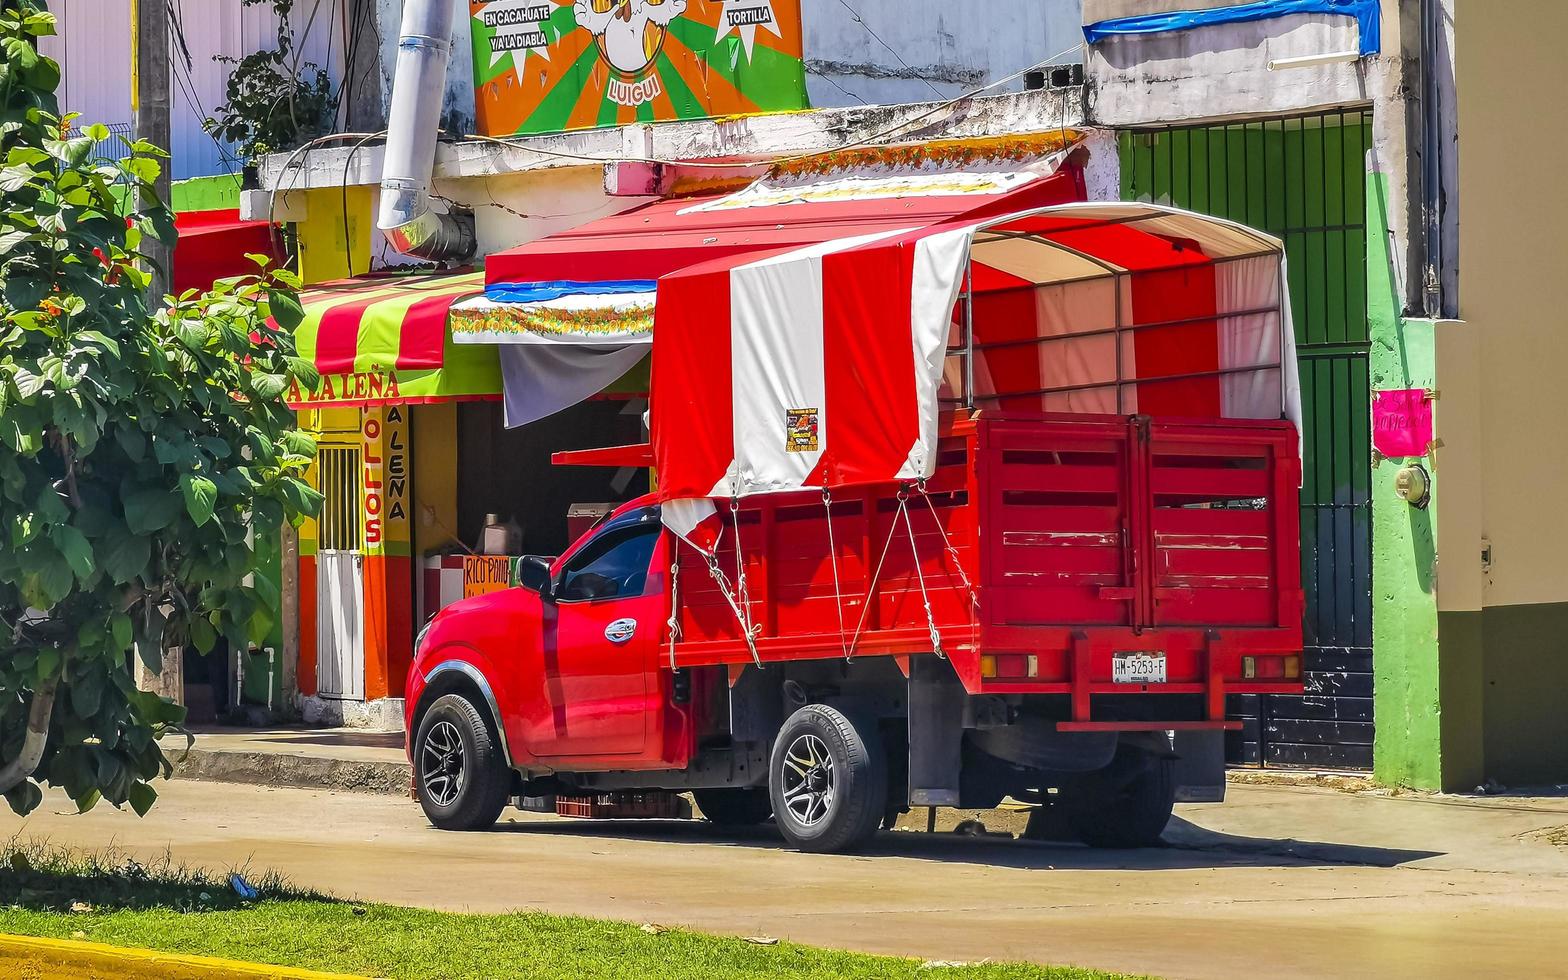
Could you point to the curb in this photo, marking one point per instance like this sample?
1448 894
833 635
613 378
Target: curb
300 772
29 957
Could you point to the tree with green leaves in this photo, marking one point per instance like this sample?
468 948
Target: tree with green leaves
144 449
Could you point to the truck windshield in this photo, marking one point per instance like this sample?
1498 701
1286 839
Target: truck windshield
616 564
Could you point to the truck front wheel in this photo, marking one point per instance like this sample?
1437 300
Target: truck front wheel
1126 804
458 767
828 780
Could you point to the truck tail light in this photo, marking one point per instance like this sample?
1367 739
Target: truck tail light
1270 668
1009 666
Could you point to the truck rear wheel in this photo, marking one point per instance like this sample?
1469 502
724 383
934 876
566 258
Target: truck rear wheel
1126 804
744 806
459 770
828 780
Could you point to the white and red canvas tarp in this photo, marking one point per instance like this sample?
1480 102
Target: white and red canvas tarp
824 366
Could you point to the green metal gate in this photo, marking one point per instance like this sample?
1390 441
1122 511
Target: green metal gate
1302 179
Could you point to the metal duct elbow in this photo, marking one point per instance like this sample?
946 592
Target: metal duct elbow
408 217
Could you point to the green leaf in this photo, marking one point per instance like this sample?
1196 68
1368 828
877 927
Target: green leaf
201 496
124 557
131 441
88 800
151 510
28 384
11 239
300 497
285 308
203 637
73 544
267 591
120 630
49 581
87 693
48 663
192 331
24 797
299 442
142 168
142 797
95 337
13 179
269 386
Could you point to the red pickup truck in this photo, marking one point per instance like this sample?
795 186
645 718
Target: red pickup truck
1057 616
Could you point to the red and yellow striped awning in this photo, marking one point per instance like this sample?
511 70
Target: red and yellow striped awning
383 340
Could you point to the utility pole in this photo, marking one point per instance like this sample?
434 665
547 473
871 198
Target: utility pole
150 107
150 110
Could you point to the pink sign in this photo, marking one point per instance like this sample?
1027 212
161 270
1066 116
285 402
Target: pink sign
1402 422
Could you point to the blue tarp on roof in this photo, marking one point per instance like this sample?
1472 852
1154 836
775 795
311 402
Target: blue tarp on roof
1366 13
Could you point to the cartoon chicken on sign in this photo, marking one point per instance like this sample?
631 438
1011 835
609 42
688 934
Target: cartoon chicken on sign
630 32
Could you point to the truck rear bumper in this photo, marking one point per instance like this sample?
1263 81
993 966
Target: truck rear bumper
1148 726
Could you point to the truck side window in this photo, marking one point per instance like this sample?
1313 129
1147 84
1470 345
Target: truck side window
615 564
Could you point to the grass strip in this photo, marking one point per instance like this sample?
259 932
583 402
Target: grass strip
105 898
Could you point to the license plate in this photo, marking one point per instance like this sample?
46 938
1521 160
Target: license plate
1138 668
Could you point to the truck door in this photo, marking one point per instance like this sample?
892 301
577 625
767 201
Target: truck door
599 650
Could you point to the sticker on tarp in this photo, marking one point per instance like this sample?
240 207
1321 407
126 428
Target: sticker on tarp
1402 422
801 427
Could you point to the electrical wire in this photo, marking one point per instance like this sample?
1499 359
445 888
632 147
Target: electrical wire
829 79
188 84
348 242
796 158
290 164
862 22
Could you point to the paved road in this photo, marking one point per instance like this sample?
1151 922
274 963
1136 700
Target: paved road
1373 886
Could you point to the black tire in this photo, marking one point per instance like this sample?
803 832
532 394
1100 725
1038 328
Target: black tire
465 788
851 791
1126 804
744 806
1048 823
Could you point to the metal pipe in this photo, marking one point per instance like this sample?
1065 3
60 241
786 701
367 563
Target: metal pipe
408 218
1314 60
1431 159
969 331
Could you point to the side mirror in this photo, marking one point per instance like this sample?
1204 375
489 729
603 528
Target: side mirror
533 572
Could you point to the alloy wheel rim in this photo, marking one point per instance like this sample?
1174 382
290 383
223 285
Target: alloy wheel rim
442 766
808 780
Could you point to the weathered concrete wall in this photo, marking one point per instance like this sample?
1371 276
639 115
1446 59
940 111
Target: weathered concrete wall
1222 72
918 50
458 110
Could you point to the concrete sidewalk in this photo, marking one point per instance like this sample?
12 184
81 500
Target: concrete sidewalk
303 758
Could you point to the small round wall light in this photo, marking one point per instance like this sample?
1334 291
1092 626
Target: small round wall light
1414 485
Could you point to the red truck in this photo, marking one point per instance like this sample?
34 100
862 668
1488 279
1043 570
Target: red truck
1056 616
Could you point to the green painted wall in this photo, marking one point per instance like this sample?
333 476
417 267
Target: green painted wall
1405 675
206 193
1426 691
